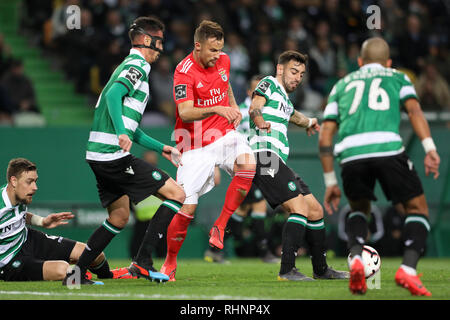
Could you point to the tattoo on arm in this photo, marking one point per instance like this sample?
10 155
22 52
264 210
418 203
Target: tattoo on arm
255 113
299 119
208 113
326 150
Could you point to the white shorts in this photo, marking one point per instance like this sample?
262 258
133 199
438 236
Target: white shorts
196 175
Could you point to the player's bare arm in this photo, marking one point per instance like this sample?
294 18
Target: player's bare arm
189 113
231 97
310 124
233 104
255 113
332 193
51 221
327 131
422 130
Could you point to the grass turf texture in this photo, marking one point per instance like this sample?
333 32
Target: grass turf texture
242 279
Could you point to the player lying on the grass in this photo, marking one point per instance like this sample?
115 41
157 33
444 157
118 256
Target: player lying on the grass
364 108
271 111
31 255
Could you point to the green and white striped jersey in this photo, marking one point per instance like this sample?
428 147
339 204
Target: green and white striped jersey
13 232
244 107
277 110
133 73
366 106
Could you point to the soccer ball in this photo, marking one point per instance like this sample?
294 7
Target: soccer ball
371 259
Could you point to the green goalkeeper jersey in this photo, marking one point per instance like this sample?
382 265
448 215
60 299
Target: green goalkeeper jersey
366 106
277 110
133 73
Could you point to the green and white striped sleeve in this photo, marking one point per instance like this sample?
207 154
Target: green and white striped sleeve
133 73
407 90
265 88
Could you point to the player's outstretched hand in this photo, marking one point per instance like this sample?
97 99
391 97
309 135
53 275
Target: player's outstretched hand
173 155
431 162
125 142
56 219
315 127
332 199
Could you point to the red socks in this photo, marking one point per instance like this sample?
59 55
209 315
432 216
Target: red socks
236 193
176 233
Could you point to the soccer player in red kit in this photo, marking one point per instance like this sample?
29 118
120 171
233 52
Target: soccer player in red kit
206 117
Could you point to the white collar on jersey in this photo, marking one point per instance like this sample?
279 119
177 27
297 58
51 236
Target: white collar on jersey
375 65
6 198
134 51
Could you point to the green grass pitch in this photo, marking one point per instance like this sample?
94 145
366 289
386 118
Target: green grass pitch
242 279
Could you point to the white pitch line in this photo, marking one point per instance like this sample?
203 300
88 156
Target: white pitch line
130 296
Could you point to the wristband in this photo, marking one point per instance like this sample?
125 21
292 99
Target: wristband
330 179
428 144
310 123
37 220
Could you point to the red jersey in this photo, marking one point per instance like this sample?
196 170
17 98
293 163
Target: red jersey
207 87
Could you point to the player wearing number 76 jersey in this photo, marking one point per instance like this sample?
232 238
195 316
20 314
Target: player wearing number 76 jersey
364 107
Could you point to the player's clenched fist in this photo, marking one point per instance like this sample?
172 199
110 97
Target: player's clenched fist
125 142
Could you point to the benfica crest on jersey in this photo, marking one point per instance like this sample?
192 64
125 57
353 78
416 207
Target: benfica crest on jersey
223 74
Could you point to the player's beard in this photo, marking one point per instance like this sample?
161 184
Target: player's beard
156 57
288 88
26 200
211 63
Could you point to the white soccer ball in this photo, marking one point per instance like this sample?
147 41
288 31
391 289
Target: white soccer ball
371 259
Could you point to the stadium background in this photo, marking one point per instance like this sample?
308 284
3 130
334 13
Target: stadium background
66 70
